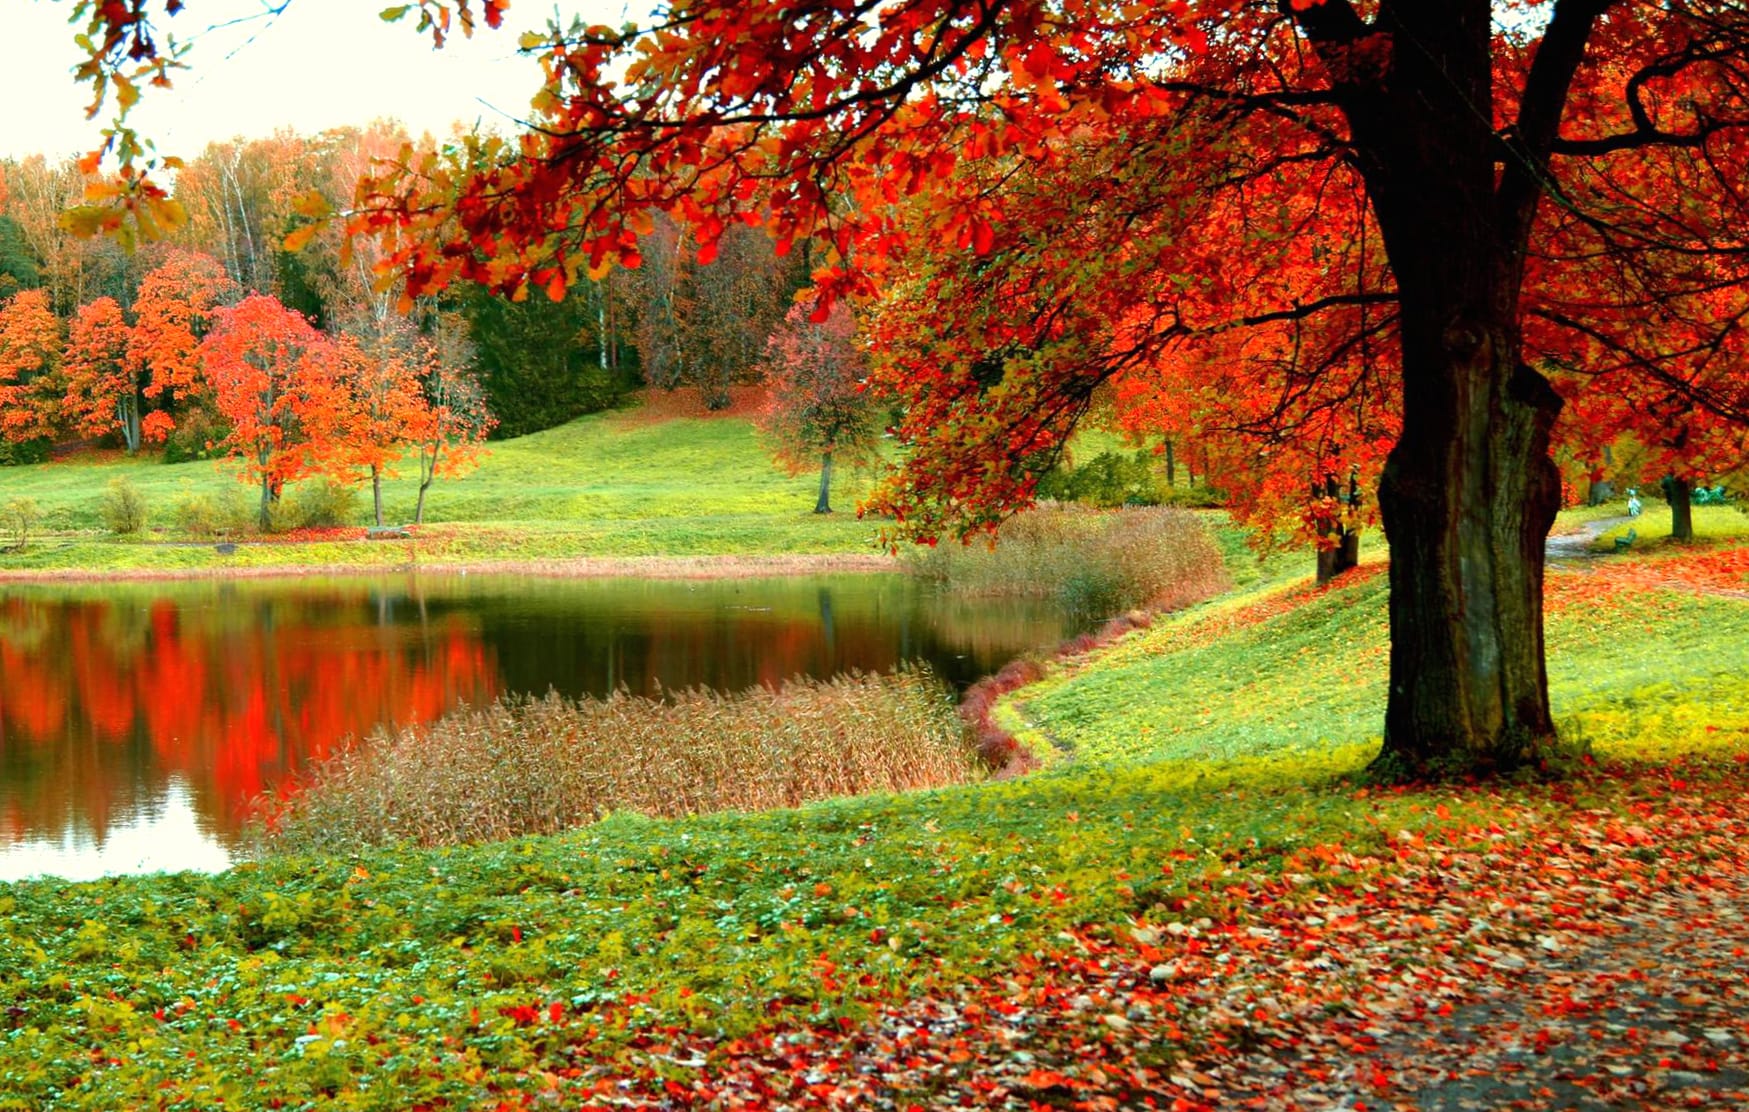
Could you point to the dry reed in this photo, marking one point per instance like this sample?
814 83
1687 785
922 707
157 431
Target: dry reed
1097 563
532 766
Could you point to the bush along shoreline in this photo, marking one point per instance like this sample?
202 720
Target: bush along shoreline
1095 563
524 766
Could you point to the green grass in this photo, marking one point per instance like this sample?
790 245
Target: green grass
391 978
1210 747
602 485
1652 527
1634 672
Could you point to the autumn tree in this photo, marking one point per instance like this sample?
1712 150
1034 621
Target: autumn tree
34 192
457 419
102 391
1652 435
367 408
1457 123
269 374
30 354
1100 301
702 318
240 196
176 307
1638 308
817 410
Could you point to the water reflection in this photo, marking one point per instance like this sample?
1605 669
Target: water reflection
138 721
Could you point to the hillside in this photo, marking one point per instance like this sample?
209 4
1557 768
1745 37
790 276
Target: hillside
619 484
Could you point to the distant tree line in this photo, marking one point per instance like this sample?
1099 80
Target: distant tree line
670 323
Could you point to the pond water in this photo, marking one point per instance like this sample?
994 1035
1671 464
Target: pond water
138 721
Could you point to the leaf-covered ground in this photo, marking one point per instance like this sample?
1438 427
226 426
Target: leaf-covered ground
1580 946
1211 913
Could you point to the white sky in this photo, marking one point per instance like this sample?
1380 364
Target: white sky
324 63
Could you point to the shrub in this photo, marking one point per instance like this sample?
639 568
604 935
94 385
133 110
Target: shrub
123 507
1095 563
316 504
194 430
20 452
1108 480
210 514
526 766
20 516
1194 497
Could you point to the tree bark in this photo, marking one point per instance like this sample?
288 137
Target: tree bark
824 505
1345 556
376 492
265 517
1171 465
1681 494
130 423
1469 491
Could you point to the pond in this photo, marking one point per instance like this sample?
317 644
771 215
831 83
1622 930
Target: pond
138 721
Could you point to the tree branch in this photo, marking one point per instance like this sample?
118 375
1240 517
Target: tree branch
1546 89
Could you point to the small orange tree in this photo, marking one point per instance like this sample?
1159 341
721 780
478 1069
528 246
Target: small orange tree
102 394
365 410
30 352
268 372
817 409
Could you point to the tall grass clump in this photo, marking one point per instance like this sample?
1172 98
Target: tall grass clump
122 507
537 766
1096 563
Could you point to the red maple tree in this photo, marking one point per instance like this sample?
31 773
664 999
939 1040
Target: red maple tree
102 394
269 373
30 354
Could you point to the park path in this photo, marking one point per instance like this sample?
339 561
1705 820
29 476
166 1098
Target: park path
1577 545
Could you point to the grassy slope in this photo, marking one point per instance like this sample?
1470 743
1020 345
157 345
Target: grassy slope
1652 527
397 978
604 485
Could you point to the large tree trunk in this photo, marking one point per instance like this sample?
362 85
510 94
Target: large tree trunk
1681 494
265 517
1469 492
376 492
1468 496
824 505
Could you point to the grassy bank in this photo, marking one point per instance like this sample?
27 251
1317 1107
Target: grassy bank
746 959
617 484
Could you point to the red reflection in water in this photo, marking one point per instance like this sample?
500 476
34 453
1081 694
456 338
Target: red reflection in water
102 702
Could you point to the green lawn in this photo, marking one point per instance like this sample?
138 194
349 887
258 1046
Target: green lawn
1652 527
609 484
1207 754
